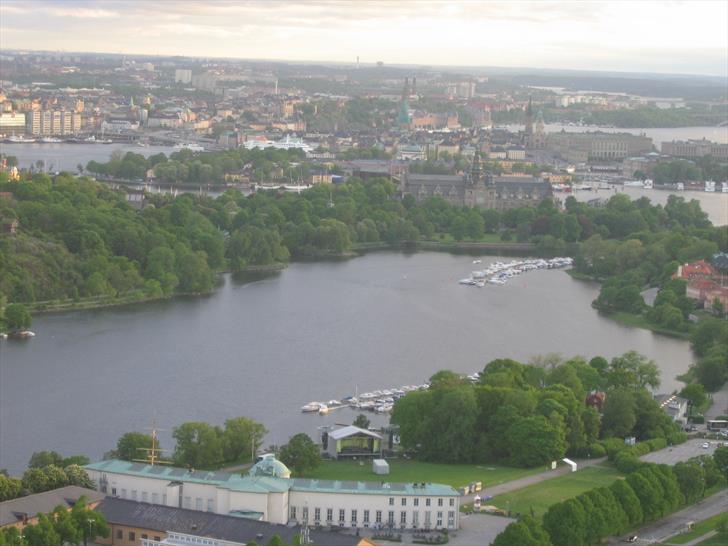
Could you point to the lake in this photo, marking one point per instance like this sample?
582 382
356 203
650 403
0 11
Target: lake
262 349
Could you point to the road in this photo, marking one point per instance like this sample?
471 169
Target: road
683 452
720 404
672 525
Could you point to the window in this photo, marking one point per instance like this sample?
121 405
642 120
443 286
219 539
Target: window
120 534
417 502
155 498
415 518
145 536
403 517
404 501
342 516
133 494
187 502
123 493
305 514
390 518
210 505
366 516
452 502
317 515
132 536
353 518
439 502
427 502
293 512
439 519
330 515
113 491
451 518
158 539
427 520
144 496
378 518
198 503
391 501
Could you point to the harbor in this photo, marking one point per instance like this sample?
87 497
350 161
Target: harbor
499 273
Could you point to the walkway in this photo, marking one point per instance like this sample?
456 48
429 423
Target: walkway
528 480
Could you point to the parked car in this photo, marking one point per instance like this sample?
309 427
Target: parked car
706 445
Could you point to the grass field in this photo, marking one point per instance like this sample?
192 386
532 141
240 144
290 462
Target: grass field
699 529
455 475
542 495
713 541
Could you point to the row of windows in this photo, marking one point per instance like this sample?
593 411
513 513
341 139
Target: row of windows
416 501
366 514
132 536
144 497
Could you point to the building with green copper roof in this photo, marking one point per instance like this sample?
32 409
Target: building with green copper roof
270 494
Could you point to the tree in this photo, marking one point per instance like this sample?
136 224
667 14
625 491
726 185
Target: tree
78 476
42 533
619 417
35 480
720 456
565 522
66 526
300 454
10 488
17 317
134 445
39 459
199 445
527 531
628 500
242 437
633 370
361 421
691 479
91 522
536 440
649 491
695 393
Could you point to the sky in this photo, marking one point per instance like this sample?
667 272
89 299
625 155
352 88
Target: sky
687 37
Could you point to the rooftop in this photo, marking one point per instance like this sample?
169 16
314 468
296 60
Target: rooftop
351 430
266 484
13 511
207 524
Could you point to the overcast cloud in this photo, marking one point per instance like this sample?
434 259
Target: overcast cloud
639 36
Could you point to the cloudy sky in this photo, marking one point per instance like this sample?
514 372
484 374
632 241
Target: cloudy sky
638 36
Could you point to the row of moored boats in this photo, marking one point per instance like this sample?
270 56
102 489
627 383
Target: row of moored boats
499 272
380 401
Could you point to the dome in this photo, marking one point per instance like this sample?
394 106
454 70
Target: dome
270 467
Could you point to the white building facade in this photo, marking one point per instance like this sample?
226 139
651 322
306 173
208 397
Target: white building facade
269 494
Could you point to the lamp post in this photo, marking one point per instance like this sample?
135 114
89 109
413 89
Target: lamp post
86 533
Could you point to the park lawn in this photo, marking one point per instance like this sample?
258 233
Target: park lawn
713 541
455 475
542 495
699 529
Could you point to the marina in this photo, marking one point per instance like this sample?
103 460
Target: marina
499 273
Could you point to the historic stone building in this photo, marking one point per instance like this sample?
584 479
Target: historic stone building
477 188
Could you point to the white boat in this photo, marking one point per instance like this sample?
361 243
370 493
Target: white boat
50 140
323 410
724 187
680 186
19 139
648 184
709 186
477 261
634 184
191 147
312 407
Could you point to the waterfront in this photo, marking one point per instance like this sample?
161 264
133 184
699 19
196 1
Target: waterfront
657 134
714 204
262 349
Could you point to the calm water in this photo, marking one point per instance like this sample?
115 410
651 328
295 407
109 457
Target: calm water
263 349
65 157
715 204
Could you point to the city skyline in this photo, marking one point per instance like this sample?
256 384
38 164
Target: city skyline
664 37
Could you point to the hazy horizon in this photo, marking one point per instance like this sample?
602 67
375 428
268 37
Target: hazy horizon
679 38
